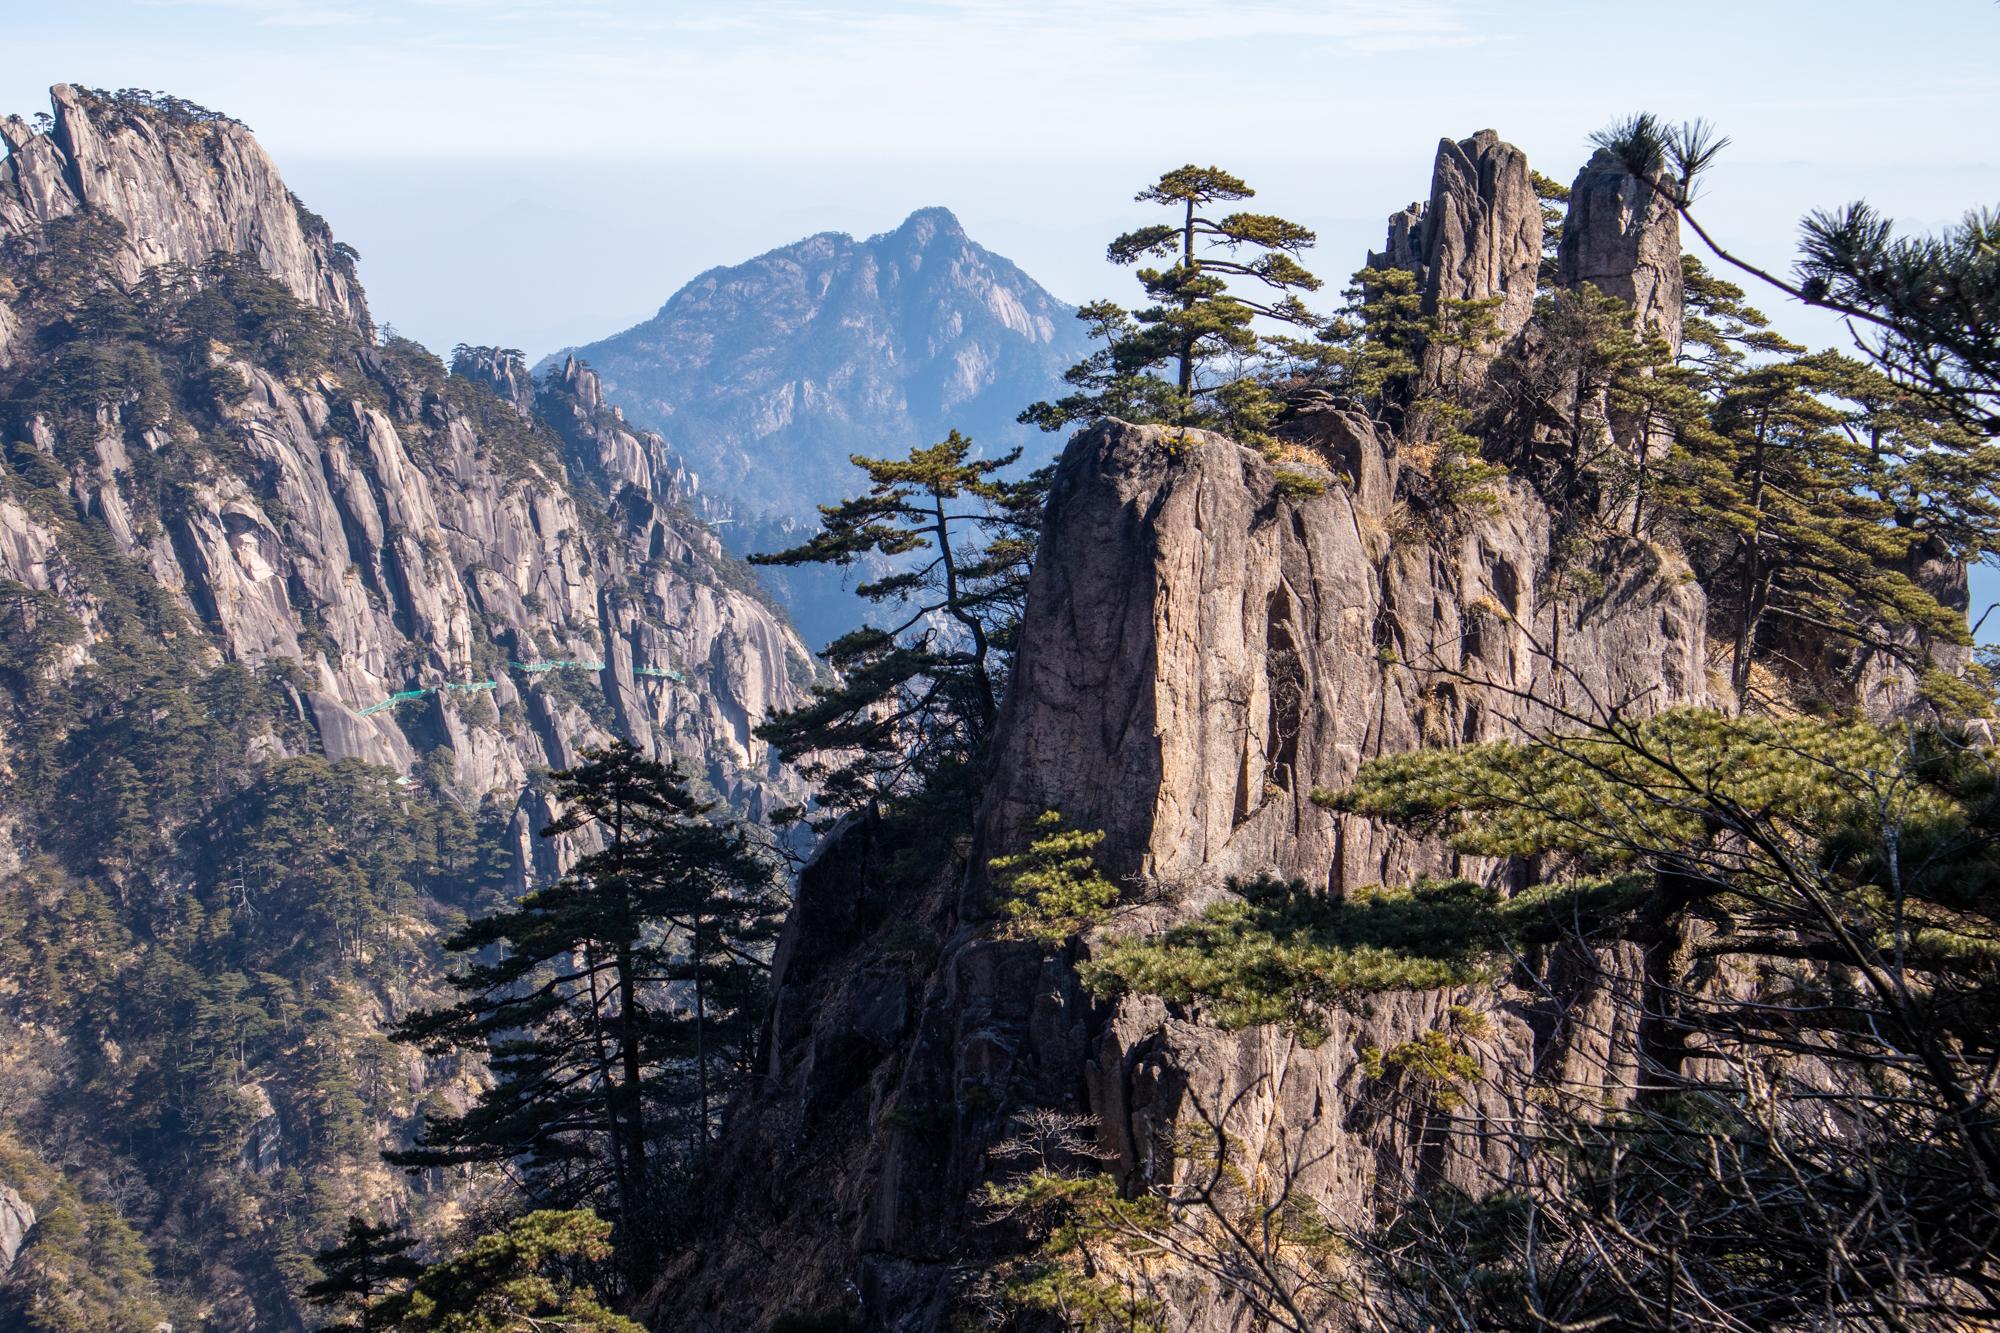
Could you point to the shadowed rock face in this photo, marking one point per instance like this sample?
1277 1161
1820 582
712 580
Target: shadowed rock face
1623 238
1199 652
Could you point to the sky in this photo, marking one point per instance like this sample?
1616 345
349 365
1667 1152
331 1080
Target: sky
536 174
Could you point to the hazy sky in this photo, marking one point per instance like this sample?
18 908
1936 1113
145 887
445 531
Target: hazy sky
537 174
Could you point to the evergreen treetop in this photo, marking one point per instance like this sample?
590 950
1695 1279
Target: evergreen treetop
1196 319
953 540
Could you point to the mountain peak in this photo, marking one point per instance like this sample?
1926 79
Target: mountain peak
182 181
927 224
767 375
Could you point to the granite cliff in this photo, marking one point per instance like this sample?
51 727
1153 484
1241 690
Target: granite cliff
1205 643
422 587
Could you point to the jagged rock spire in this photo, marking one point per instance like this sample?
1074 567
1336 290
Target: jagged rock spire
1624 238
1479 236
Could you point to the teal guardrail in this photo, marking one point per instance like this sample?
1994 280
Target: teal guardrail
405 696
528 668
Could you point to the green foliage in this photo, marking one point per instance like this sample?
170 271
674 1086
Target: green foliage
1554 197
1934 299
914 703
1813 498
1850 870
1930 304
1054 890
1436 1062
369 1265
1778 823
1609 794
1089 1242
1295 485
83 1268
515 1280
1409 368
614 1001
144 103
1197 324
1278 952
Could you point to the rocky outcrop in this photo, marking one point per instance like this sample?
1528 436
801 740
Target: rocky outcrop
1623 237
1205 644
382 530
466 577
1201 653
17 1219
1480 234
1202 648
185 183
501 369
609 450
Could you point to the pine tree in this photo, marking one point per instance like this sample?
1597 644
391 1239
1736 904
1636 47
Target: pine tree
1196 320
1844 1104
1819 488
916 700
523 1277
1054 889
1931 303
1414 372
584 1038
370 1263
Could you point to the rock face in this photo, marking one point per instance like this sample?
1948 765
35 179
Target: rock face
466 577
17 1219
390 534
1203 646
1480 234
1624 238
1200 651
185 183
1200 654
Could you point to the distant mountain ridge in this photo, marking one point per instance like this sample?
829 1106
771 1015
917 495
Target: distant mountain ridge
766 375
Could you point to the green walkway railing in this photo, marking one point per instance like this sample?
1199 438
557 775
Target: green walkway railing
528 668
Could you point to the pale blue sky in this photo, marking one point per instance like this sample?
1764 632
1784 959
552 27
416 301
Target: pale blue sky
535 174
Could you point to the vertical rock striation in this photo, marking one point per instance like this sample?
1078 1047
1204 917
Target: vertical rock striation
185 184
1204 646
1480 235
1624 238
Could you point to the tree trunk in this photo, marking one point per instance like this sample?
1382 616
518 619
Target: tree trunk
1753 575
700 1037
1187 303
989 707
